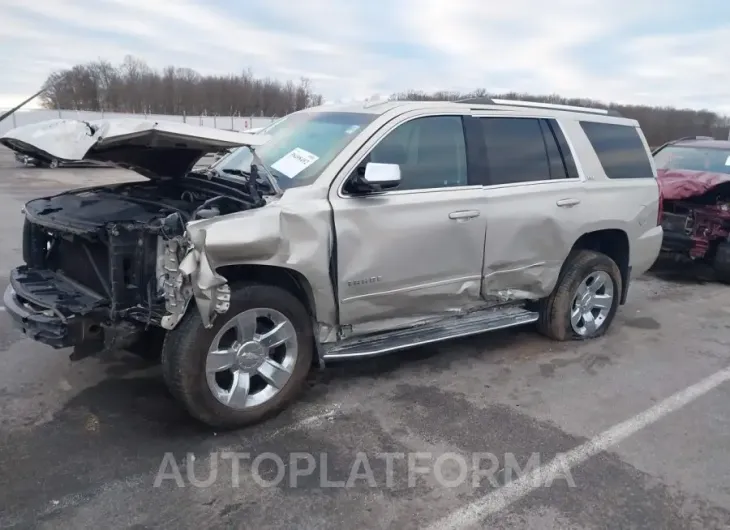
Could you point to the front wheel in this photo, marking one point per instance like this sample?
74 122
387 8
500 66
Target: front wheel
585 300
249 365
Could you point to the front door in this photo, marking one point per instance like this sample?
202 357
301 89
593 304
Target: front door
415 252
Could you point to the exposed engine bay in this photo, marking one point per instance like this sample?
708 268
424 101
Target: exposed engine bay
111 255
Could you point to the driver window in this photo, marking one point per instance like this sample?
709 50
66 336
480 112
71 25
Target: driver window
431 152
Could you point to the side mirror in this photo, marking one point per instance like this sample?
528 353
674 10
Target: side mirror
382 176
373 178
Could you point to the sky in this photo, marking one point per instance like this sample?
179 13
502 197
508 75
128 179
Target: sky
660 52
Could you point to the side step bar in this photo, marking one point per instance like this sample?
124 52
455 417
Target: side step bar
451 328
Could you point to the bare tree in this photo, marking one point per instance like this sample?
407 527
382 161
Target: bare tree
134 87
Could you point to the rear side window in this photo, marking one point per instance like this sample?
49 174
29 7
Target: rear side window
526 150
620 150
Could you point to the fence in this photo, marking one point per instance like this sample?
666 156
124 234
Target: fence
26 117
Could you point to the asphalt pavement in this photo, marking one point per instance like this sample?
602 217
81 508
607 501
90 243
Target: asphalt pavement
503 430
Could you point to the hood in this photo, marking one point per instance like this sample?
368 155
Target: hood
155 149
677 184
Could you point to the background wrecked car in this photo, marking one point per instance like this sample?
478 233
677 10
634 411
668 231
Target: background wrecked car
694 178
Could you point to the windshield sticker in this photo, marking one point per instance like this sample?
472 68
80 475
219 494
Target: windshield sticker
294 162
727 161
352 129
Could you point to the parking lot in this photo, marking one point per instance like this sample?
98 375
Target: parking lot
638 421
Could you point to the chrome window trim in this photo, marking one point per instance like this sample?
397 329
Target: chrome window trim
379 135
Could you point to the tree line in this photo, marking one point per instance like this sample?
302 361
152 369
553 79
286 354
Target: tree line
135 87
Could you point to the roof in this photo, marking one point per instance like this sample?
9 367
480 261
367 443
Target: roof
478 104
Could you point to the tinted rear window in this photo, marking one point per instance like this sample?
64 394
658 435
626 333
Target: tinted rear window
515 150
620 150
526 150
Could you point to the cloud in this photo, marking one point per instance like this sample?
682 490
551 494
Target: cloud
624 50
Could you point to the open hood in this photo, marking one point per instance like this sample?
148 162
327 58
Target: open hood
678 184
155 149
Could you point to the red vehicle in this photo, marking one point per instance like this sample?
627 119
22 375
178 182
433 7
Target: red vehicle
694 179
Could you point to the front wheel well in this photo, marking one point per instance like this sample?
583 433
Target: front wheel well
288 279
614 243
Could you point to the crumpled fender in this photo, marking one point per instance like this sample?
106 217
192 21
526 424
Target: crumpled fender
210 290
294 235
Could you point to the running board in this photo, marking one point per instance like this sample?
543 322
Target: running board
451 328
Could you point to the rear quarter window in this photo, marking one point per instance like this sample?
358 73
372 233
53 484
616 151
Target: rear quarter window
619 149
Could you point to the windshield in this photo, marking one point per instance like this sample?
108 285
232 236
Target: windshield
300 147
693 158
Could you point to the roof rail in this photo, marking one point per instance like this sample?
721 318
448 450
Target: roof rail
479 100
538 105
374 102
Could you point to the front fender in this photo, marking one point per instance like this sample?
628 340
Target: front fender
295 235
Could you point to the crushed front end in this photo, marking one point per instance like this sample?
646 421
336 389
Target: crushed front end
696 218
104 265
87 284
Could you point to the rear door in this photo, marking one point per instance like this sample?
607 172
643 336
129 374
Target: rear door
414 252
534 202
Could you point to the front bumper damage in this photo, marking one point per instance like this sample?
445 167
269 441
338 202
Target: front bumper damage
55 310
52 309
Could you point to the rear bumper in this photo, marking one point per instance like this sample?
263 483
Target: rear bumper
645 251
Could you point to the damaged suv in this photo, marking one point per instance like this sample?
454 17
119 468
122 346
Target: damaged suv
694 178
346 232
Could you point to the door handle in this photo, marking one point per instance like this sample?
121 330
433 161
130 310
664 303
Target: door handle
464 214
567 203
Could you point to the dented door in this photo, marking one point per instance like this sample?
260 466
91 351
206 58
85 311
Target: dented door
535 207
414 253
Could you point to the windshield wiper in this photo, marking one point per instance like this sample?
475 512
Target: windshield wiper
237 172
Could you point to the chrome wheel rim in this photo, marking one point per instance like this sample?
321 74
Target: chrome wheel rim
592 303
251 358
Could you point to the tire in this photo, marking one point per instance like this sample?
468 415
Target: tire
185 353
555 311
53 164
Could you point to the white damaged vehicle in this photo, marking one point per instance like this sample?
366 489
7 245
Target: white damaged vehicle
343 232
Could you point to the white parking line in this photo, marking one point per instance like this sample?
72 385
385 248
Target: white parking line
472 513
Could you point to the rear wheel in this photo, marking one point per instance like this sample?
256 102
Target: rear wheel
249 365
585 300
